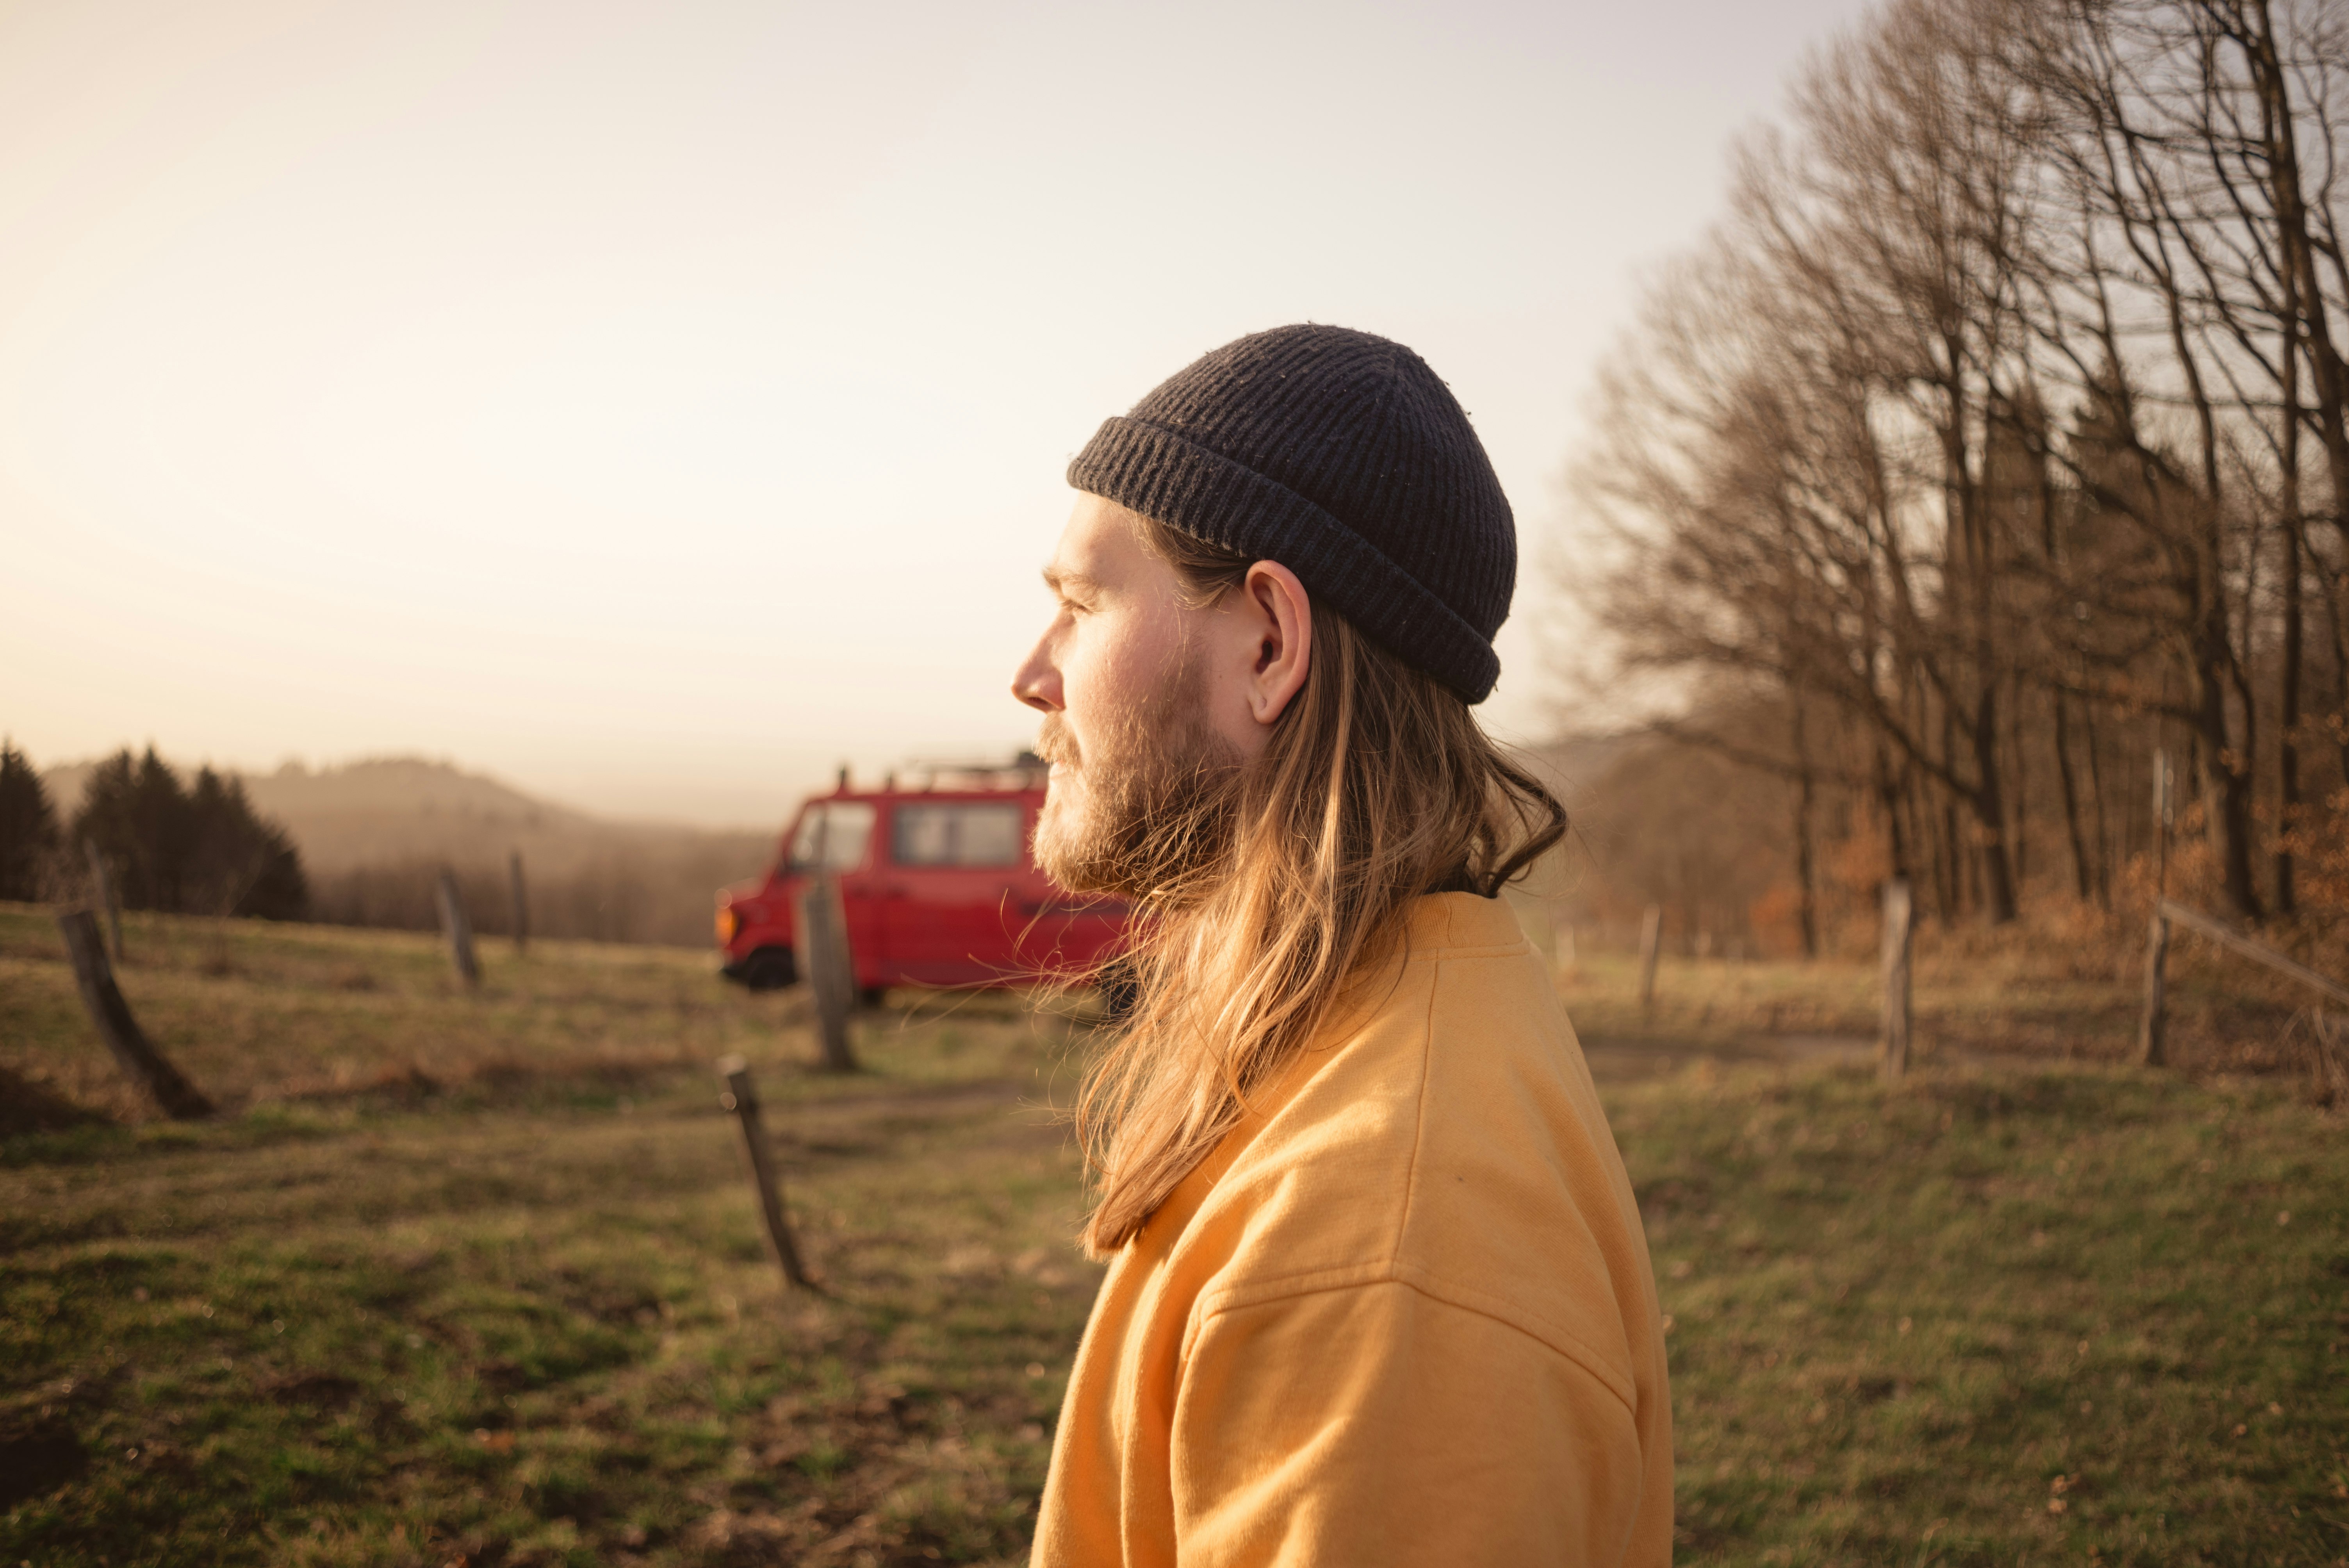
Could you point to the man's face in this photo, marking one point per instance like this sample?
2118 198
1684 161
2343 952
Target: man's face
1142 720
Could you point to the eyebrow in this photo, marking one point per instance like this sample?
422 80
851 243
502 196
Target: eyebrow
1060 580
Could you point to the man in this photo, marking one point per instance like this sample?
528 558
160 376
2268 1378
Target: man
1378 1292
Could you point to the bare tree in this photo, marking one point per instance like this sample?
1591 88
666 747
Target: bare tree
1978 425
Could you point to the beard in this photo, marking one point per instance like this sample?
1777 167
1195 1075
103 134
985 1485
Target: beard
1147 806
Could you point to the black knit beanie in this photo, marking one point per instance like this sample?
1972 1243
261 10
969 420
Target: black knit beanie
1343 457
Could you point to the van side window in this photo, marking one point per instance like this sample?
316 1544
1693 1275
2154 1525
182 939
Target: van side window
956 836
832 834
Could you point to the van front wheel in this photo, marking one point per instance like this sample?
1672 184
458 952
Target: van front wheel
770 969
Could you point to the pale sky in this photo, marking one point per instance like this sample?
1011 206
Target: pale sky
656 404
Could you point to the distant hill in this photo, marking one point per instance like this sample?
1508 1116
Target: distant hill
394 807
374 833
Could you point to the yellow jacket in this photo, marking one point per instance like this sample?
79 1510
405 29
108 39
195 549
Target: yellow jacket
1403 1314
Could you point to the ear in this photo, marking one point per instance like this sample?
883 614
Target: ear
1282 618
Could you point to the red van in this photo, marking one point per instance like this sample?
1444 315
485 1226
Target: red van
937 883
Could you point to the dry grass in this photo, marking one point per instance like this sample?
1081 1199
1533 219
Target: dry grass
2056 990
479 1279
257 1013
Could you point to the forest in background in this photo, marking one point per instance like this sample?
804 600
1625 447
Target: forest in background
165 844
365 842
1989 456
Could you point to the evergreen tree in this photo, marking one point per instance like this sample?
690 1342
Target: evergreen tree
204 852
28 828
241 864
135 810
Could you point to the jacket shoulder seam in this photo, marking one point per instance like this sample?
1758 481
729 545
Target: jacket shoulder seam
1550 1337
1418 1128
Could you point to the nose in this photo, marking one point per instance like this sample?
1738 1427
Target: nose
1037 682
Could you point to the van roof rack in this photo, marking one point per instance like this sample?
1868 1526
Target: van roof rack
1024 771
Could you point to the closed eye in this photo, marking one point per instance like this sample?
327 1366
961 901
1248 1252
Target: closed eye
1072 590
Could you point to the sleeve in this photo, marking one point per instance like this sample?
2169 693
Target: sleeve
1375 1424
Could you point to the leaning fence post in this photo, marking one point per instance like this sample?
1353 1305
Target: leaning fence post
1899 909
146 1066
1651 931
457 929
743 1101
2156 959
521 904
102 883
830 971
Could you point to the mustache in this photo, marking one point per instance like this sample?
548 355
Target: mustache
1053 741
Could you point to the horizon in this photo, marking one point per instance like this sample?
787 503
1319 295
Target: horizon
294 768
299 767
658 408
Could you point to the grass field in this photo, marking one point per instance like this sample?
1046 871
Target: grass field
2072 995
479 1279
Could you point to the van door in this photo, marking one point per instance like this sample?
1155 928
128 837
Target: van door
950 910
837 836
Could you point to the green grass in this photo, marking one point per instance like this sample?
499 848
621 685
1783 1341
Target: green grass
551 1336
479 1278
255 1013
2065 1314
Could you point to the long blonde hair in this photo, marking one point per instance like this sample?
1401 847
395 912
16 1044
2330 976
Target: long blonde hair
1378 785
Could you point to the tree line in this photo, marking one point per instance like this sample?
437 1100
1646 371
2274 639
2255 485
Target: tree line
1991 456
168 845
195 844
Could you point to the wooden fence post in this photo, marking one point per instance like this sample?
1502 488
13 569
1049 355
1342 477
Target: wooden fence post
1899 909
2156 960
2161 820
2325 1040
831 970
102 885
521 904
1651 931
743 1101
457 929
146 1066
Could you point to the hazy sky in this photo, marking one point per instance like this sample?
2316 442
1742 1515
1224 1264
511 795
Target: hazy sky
655 404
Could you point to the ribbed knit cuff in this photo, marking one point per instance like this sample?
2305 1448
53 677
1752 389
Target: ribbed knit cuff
1157 473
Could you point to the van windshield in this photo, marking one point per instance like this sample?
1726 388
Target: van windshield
832 834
